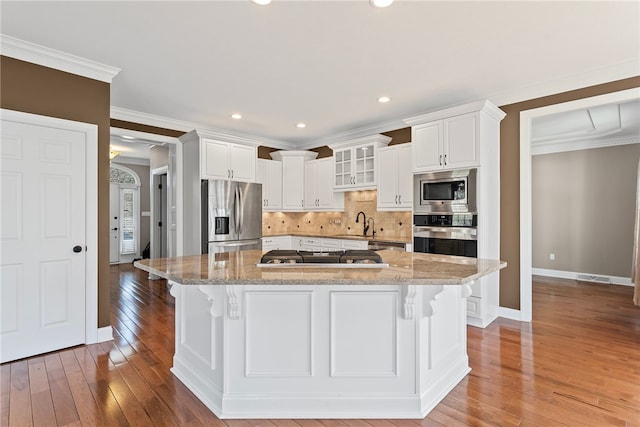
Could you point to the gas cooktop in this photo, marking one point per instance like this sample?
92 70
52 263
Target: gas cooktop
338 259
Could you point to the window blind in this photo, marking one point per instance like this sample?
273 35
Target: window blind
128 220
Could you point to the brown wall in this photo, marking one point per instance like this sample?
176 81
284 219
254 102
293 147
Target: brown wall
122 124
510 180
40 90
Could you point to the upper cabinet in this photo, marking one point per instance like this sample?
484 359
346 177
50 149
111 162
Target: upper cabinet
220 156
293 182
354 164
395 180
269 174
451 138
226 160
318 184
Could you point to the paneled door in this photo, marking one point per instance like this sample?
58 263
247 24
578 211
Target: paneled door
114 223
43 186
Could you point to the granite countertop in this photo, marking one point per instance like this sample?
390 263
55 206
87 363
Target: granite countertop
239 268
392 239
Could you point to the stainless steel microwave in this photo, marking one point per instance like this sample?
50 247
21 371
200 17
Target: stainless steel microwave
445 192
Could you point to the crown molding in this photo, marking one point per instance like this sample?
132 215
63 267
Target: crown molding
51 58
370 139
484 106
307 155
552 147
202 130
588 78
361 132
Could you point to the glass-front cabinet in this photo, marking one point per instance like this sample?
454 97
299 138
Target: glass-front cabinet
343 174
355 162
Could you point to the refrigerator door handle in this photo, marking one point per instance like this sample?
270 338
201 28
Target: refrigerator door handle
238 210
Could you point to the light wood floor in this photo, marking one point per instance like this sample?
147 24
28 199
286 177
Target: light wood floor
577 364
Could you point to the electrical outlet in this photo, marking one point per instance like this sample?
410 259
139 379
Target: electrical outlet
552 256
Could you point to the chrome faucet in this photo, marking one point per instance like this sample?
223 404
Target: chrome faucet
373 221
364 221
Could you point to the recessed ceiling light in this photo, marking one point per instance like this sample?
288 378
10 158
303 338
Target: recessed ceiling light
380 3
236 116
261 2
301 125
384 99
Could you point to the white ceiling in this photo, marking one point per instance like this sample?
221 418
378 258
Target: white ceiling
326 62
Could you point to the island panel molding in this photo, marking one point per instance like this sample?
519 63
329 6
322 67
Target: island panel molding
320 342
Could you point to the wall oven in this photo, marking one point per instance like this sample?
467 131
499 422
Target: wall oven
445 192
448 234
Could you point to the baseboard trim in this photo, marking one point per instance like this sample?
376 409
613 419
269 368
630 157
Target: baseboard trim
573 275
510 313
105 334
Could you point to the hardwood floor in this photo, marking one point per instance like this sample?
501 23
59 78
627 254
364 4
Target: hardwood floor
576 364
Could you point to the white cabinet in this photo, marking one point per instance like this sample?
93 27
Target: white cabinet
354 244
395 180
450 143
269 174
276 242
226 160
354 165
319 194
461 137
293 164
312 244
296 243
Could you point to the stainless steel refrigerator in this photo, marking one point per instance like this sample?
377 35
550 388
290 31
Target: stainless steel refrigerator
231 216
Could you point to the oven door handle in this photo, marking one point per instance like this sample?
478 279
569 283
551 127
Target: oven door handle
459 233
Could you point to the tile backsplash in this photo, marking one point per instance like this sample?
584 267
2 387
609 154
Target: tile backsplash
390 225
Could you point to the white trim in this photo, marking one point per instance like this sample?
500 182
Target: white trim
51 58
139 136
551 147
485 106
204 130
104 334
526 118
565 84
573 275
509 313
91 189
130 161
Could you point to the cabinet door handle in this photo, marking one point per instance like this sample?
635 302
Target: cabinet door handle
231 173
399 199
440 159
396 199
445 159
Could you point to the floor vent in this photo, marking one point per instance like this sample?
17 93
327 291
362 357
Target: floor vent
590 278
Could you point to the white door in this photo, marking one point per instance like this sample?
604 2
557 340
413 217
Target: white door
43 238
114 223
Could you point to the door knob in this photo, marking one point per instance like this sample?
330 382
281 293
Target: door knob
115 229
77 248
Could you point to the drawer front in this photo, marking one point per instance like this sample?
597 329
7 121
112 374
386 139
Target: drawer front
355 244
331 243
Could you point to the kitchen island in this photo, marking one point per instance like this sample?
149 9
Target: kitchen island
317 342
